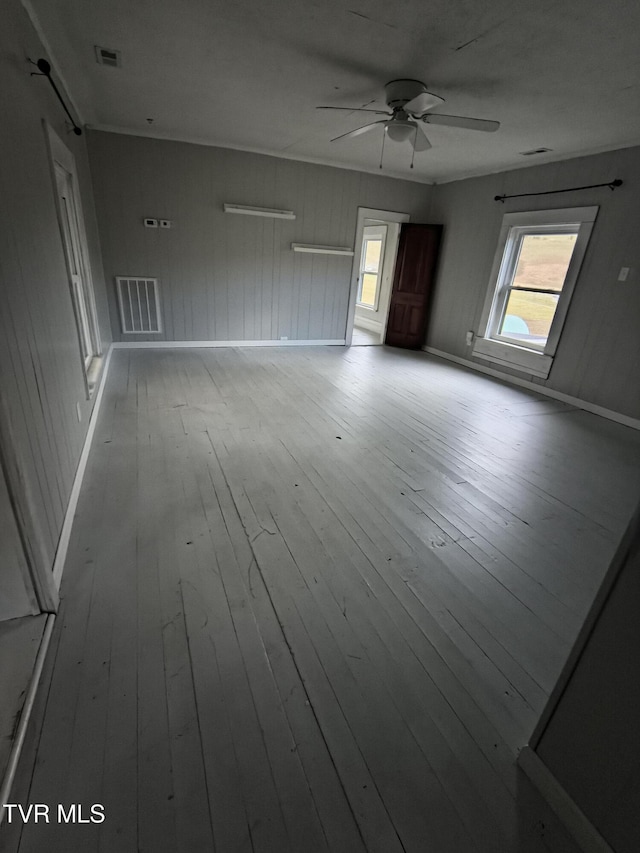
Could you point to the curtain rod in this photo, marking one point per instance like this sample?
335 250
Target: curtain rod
611 184
45 71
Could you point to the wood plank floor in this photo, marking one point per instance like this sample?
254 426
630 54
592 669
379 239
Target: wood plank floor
365 337
315 600
19 643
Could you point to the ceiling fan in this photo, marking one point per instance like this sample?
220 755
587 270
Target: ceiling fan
410 103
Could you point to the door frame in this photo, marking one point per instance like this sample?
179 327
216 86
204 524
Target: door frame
383 216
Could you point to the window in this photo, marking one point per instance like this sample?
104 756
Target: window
76 254
535 270
371 266
526 304
71 241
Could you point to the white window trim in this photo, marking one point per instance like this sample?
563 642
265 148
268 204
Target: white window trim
531 360
379 236
60 154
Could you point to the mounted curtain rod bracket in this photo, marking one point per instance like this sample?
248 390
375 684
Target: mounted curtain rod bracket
611 184
44 70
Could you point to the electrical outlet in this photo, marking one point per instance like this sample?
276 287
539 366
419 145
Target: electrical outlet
284 338
469 338
165 223
150 223
623 275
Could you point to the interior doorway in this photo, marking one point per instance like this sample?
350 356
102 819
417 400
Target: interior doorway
375 251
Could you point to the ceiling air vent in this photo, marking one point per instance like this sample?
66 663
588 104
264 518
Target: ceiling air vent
107 56
535 151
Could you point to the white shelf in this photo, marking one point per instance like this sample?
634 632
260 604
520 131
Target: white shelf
322 250
271 213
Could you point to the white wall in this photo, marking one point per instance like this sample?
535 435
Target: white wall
590 742
599 353
17 596
41 376
229 277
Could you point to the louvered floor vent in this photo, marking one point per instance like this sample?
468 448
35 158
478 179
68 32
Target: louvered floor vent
139 305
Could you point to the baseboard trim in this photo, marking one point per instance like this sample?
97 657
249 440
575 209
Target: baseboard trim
208 344
25 715
634 423
573 818
65 533
366 323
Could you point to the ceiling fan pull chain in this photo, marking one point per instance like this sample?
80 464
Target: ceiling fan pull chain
413 153
384 136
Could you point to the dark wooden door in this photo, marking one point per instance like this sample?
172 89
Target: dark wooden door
412 284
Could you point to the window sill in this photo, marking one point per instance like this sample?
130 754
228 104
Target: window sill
512 356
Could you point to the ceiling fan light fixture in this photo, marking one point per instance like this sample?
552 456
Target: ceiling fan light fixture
400 131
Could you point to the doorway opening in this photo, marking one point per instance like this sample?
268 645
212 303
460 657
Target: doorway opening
375 251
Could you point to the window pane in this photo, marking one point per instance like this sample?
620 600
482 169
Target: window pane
368 292
544 261
528 316
66 224
372 256
83 321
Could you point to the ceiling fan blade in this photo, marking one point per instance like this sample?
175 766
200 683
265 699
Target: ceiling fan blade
462 121
420 141
423 102
357 110
358 131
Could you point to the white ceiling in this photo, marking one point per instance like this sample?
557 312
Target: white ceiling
559 74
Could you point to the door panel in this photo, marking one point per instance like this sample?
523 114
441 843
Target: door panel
412 285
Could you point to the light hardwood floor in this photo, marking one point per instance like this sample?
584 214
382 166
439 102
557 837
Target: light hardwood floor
315 601
19 643
365 338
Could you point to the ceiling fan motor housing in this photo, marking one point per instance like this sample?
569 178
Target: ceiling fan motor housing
400 92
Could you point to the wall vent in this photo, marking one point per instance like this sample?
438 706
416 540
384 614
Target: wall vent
535 151
139 303
107 56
